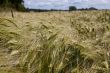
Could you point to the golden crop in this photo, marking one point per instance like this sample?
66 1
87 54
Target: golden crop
57 42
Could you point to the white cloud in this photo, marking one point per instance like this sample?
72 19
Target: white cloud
45 3
96 1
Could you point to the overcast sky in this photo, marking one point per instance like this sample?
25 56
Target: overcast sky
64 4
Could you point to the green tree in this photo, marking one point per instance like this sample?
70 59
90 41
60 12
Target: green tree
15 4
71 8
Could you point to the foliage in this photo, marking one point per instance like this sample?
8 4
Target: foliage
71 8
15 4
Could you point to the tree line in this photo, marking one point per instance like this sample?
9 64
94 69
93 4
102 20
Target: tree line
71 8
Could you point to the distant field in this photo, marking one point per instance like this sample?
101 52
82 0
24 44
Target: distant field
55 42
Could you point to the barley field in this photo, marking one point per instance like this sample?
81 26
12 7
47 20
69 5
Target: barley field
55 42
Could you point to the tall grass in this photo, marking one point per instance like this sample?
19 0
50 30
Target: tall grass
41 50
